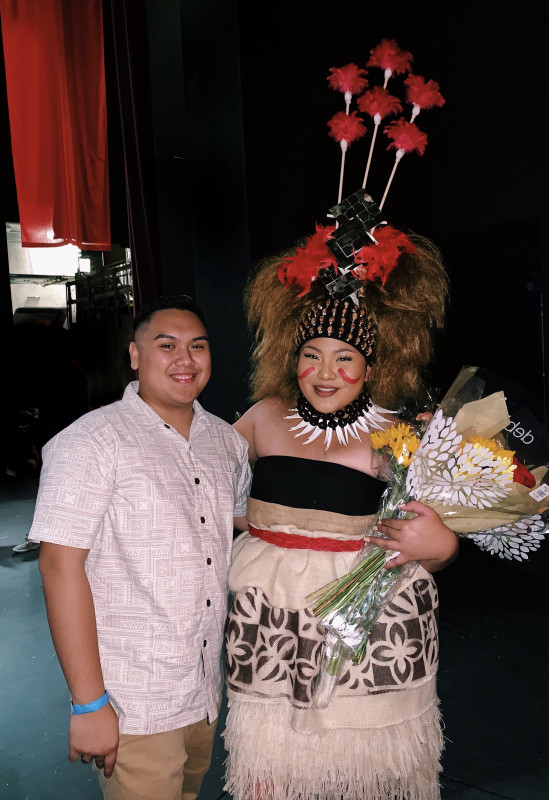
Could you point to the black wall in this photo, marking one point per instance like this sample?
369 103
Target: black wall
200 174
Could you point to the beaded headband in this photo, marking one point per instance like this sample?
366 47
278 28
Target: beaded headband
338 319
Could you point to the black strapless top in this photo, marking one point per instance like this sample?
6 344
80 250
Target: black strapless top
322 485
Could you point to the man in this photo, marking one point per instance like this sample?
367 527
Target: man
135 516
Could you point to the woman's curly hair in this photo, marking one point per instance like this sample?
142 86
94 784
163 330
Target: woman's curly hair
405 311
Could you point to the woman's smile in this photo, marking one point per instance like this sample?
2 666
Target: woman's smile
325 391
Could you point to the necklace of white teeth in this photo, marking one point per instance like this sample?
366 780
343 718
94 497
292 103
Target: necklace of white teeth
360 415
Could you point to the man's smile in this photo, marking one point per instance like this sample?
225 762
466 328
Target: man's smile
183 377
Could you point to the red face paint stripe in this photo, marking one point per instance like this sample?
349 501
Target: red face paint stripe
346 377
306 372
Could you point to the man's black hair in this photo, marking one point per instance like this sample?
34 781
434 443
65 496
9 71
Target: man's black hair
181 302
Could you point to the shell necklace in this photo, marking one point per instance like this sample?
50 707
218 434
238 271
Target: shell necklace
360 415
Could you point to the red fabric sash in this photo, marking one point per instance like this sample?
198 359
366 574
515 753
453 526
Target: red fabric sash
293 541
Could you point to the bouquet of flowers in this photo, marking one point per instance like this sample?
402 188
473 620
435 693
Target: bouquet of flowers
481 462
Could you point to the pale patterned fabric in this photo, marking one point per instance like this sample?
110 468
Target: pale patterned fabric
156 513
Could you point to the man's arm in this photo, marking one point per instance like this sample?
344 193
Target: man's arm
240 523
71 617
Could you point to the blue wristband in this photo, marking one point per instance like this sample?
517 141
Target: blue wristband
95 705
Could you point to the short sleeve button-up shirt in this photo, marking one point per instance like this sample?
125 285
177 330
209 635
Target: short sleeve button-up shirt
155 511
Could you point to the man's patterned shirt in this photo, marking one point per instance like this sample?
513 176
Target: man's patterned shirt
156 512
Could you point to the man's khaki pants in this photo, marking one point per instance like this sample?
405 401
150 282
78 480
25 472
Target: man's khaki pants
161 766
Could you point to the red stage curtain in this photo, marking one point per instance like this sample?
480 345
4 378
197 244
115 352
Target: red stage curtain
55 77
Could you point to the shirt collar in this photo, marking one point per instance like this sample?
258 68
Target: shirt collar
149 416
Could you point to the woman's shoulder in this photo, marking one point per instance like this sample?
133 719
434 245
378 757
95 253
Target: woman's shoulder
261 425
265 409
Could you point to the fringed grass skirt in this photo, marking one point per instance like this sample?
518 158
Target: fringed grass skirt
269 760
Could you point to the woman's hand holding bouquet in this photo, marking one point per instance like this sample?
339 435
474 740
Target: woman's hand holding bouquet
424 538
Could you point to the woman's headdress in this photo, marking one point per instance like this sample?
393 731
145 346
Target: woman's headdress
361 246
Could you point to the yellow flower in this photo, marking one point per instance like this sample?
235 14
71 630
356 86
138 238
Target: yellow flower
400 439
490 444
493 457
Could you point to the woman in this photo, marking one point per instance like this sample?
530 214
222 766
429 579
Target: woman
315 488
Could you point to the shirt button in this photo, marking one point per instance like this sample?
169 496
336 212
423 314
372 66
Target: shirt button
197 480
202 519
166 426
204 643
208 602
208 561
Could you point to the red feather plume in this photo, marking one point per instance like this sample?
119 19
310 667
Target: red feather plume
301 269
406 136
349 78
379 101
379 260
422 93
388 55
346 126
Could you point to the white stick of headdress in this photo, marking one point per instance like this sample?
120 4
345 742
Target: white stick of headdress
343 144
378 103
345 129
405 138
377 121
398 157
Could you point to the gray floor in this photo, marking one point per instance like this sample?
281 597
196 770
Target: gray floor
493 679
